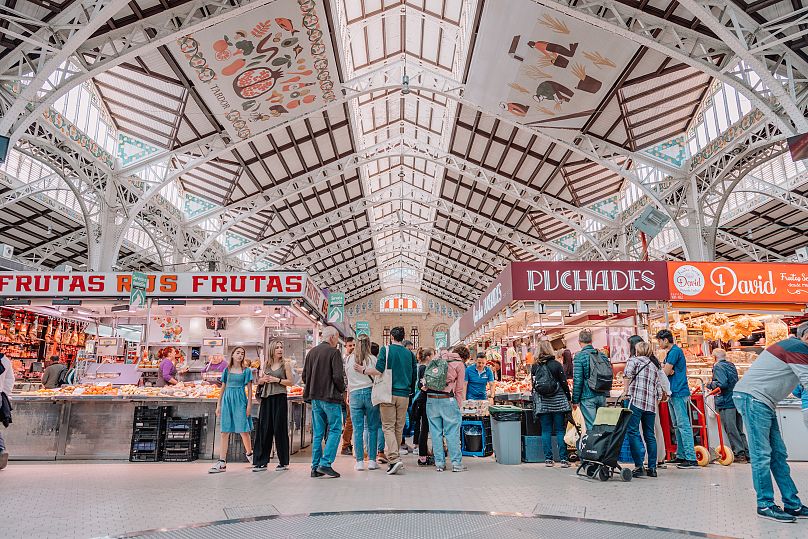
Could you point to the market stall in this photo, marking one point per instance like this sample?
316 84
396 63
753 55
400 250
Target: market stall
203 317
741 308
531 301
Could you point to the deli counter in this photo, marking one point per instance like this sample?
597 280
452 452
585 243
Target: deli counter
99 427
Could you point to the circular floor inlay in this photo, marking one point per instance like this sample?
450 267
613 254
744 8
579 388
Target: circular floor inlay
414 524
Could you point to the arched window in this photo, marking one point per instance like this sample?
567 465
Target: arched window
401 303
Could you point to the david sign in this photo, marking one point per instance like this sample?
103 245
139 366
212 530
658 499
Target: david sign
738 281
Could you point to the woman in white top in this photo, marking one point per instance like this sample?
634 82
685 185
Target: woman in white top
362 409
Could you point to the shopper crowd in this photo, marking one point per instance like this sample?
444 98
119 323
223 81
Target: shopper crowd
372 398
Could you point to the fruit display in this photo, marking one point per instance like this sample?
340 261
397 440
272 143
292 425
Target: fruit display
513 386
294 391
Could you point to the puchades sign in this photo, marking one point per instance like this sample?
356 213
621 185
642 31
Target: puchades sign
568 281
738 281
627 281
269 65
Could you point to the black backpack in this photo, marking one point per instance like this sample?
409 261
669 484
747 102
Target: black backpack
62 379
543 382
600 373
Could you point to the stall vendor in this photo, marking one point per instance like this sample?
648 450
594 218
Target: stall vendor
168 367
479 378
217 364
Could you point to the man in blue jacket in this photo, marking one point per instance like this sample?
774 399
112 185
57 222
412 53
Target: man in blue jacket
582 395
725 376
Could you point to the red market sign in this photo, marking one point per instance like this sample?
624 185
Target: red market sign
758 282
568 281
160 285
597 281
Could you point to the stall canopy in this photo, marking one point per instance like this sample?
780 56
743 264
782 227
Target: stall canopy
700 282
224 286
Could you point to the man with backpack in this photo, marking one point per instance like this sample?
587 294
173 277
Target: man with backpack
591 378
444 383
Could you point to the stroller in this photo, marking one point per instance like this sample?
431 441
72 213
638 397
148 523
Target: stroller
600 447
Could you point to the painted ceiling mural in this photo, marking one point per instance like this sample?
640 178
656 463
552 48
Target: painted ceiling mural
542 68
271 65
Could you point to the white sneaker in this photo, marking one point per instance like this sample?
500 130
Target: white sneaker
360 466
416 452
373 465
249 457
219 467
403 450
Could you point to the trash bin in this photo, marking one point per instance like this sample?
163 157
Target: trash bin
506 426
472 439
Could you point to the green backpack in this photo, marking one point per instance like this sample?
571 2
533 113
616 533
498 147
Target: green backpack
436 373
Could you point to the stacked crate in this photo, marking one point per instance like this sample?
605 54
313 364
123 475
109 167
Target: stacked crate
182 439
148 433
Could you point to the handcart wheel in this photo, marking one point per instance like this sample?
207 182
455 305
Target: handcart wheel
702 455
725 455
604 473
591 469
625 475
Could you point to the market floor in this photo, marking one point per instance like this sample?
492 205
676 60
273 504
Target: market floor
97 499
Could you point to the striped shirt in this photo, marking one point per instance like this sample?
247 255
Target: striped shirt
644 383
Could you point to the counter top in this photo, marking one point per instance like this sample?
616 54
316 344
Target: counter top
120 398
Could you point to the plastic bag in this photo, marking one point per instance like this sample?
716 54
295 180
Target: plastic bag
571 437
578 417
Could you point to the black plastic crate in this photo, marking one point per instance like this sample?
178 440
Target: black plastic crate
180 436
235 447
152 412
145 457
189 458
175 424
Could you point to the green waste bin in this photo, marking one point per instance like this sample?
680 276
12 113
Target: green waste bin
506 429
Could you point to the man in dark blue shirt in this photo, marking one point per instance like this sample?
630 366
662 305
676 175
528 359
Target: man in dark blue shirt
679 404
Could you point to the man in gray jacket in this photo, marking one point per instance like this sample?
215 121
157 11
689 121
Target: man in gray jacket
773 375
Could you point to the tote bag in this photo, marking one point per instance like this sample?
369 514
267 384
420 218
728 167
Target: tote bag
382 392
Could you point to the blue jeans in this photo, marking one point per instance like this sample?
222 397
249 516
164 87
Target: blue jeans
362 412
380 435
767 453
635 442
325 416
408 425
553 423
679 408
444 421
589 409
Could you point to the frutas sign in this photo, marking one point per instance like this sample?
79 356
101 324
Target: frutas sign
738 281
159 285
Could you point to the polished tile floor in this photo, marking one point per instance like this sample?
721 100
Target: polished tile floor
81 499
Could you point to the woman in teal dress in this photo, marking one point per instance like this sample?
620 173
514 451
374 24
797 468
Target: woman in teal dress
234 406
